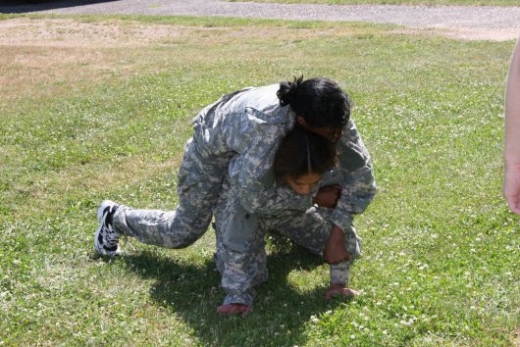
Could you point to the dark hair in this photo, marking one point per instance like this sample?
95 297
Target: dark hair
320 101
302 152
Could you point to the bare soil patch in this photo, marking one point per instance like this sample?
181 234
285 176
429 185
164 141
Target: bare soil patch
464 34
51 53
71 33
45 54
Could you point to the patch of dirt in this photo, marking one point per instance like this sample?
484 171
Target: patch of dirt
48 54
480 34
465 34
45 54
70 33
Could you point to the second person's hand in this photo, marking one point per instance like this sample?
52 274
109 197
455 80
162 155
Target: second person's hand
328 196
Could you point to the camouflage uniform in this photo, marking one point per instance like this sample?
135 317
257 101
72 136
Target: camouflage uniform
237 137
243 216
246 123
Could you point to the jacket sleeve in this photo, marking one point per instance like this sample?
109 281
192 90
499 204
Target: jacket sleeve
356 176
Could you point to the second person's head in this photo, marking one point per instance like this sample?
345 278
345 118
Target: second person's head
302 158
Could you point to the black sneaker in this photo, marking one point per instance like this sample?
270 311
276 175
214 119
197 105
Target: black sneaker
106 240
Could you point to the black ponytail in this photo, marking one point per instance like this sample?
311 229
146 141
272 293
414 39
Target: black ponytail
320 101
288 91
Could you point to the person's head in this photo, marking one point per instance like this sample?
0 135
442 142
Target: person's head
302 158
319 104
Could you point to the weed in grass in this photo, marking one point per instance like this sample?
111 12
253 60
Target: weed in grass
110 120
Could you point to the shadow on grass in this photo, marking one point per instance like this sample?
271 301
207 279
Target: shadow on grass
193 292
26 6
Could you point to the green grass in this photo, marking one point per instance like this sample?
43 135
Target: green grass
397 2
81 123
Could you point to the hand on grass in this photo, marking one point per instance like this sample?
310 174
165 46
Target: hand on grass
339 289
234 309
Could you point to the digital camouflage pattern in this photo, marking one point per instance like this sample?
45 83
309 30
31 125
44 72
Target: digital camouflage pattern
241 257
246 123
236 138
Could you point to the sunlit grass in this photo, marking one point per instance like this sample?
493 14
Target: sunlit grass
84 118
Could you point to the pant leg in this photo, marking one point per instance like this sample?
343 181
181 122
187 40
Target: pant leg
241 259
200 179
312 230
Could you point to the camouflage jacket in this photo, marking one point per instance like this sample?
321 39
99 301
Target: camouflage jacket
248 126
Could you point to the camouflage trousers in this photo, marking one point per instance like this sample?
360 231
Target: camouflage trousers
243 264
200 182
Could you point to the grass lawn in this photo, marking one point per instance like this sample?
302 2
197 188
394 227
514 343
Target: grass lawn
398 2
100 107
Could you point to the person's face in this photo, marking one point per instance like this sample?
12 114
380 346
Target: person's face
329 133
303 185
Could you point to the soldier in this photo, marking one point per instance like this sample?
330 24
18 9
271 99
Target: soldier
241 257
247 127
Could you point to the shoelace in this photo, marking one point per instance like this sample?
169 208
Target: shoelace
110 236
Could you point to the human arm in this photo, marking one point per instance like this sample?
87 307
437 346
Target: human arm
511 187
335 250
355 175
